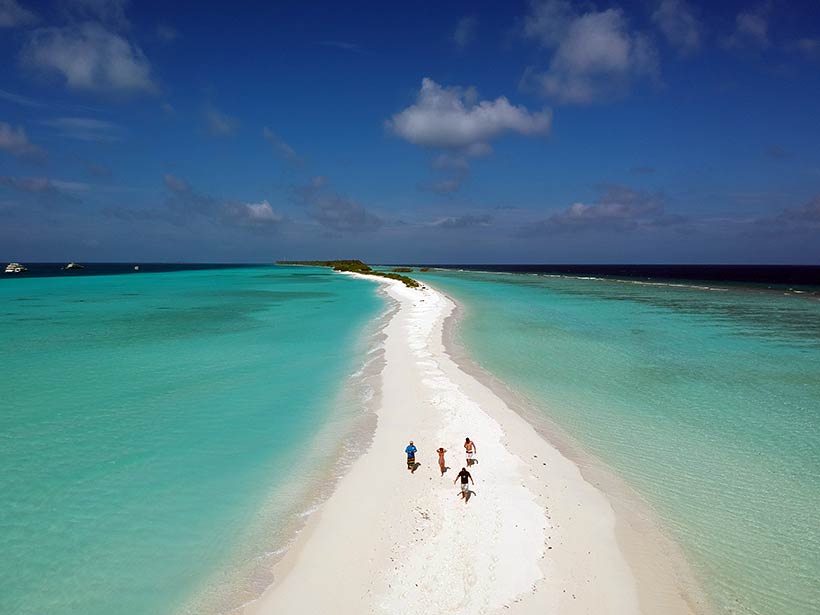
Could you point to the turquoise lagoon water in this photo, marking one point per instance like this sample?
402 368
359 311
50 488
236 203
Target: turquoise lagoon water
707 402
157 430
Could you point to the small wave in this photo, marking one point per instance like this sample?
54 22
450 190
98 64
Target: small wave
673 285
636 282
306 513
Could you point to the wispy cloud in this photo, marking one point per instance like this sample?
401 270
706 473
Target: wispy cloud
751 29
186 205
86 129
619 208
25 101
28 184
677 20
167 33
596 57
463 222
776 152
98 170
89 57
13 15
333 210
809 47
453 168
281 148
65 190
110 12
345 46
805 218
33 103
220 124
444 185
15 141
45 187
465 32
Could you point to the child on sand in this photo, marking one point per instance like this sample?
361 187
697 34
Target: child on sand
441 465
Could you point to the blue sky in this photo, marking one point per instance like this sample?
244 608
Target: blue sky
542 131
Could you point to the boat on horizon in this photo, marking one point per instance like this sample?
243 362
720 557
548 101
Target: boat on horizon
15 268
73 265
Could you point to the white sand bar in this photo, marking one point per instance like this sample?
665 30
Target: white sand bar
534 538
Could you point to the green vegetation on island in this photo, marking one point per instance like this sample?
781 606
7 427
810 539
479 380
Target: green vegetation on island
402 270
356 266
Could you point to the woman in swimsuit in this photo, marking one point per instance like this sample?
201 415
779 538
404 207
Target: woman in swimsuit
441 465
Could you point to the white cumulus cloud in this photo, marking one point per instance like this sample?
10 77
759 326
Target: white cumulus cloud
455 120
452 118
596 56
89 57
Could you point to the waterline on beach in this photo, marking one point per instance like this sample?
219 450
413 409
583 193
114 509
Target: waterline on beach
664 578
279 523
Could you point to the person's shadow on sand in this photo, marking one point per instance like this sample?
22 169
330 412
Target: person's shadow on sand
470 493
414 467
444 469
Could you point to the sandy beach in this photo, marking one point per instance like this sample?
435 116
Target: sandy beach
534 537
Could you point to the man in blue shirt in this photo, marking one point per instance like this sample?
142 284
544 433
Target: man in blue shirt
411 457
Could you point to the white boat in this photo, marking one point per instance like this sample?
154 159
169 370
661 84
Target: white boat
73 266
15 268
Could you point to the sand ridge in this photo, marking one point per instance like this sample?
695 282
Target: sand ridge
533 538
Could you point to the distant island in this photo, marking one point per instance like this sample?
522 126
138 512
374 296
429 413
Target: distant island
356 266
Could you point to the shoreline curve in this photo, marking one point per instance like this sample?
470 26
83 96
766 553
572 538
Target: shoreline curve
537 537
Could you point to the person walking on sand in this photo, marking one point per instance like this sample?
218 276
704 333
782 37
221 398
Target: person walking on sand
469 446
441 463
411 456
464 475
